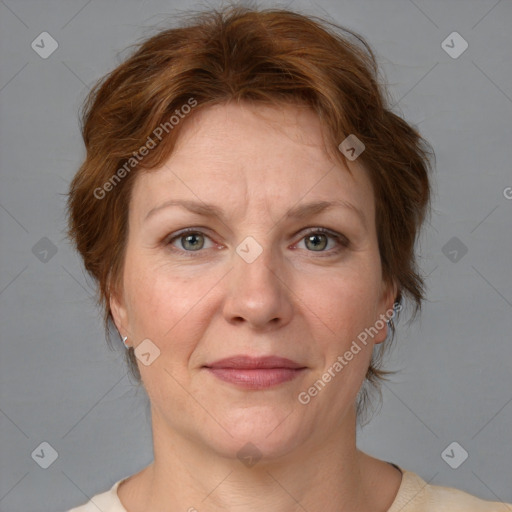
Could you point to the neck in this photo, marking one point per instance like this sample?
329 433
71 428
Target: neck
327 474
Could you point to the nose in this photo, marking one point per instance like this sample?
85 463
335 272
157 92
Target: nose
258 293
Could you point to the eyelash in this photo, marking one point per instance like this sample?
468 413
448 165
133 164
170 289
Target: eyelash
341 240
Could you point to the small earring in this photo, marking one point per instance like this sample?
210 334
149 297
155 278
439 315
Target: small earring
124 341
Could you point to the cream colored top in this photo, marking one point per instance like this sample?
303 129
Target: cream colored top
414 495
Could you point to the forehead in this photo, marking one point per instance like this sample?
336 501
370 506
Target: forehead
252 154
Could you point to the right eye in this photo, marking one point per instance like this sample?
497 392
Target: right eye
190 240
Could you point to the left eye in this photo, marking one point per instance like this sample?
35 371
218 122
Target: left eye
318 240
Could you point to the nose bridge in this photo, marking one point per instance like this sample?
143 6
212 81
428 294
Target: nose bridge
257 293
256 262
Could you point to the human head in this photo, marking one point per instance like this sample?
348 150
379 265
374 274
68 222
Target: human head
237 54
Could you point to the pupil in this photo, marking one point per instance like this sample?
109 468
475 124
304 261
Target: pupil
315 239
192 241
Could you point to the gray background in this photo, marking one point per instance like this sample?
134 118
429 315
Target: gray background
61 384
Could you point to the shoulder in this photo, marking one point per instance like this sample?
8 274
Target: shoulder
107 501
416 495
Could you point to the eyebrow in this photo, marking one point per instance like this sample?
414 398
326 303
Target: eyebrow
297 212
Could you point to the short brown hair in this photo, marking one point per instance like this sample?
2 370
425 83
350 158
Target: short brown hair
247 54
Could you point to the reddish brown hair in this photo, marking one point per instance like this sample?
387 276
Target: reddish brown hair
247 54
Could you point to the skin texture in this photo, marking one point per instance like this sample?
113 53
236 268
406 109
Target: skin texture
298 299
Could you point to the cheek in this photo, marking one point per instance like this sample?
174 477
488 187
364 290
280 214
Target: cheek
344 303
164 304
151 298
340 312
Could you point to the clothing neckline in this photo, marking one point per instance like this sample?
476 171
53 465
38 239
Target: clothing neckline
409 481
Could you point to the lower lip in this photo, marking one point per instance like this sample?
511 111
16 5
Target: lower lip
260 378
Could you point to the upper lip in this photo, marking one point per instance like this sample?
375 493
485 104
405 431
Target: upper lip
248 362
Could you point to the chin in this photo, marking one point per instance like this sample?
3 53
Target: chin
259 431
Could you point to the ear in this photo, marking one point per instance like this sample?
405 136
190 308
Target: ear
119 312
387 300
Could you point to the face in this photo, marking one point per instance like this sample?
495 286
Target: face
259 273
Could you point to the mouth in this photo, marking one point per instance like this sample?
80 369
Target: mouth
255 373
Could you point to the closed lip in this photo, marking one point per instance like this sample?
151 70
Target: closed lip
253 363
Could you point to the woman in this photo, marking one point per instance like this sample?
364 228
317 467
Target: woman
249 206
